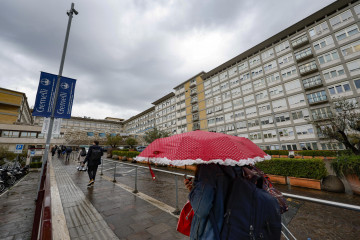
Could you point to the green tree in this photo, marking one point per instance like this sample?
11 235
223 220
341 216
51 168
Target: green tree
342 125
113 141
154 134
131 141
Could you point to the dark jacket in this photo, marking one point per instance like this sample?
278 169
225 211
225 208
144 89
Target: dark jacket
93 157
211 185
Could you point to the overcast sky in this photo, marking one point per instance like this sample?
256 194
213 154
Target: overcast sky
126 54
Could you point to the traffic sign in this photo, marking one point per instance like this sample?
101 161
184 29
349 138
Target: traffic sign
19 148
32 153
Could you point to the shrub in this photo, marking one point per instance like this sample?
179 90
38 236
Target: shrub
346 165
132 154
36 159
302 168
35 165
324 153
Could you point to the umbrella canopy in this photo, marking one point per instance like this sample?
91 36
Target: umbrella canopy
200 147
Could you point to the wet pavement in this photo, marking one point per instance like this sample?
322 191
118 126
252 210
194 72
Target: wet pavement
125 214
304 219
17 208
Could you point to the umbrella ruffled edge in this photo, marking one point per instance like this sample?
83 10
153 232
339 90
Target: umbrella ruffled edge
226 162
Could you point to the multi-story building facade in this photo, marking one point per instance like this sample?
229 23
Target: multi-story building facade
165 113
272 92
140 123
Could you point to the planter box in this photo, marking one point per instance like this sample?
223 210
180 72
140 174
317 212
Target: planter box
284 156
305 182
307 157
277 179
354 183
190 167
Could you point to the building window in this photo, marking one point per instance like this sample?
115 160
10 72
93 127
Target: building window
279 104
328 57
227 106
266 120
269 134
207 83
312 81
333 72
289 146
321 113
234 81
276 91
318 29
307 67
288 72
282 117
255 136
267 54
285 59
236 92
272 78
264 107
256 72
243 66
232 71
296 99
241 125
226 95
254 61
247 88
250 111
326 41
249 99
308 146
222 76
347 32
353 66
357 9
340 18
293 85
230 127
239 114
316 97
269 66
339 88
253 123
238 102
224 86
300 114
304 129
350 48
90 134
286 132
303 53
245 76
282 47
10 134
261 95
219 119
259 83
357 82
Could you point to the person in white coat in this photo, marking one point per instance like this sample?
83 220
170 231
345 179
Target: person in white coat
81 158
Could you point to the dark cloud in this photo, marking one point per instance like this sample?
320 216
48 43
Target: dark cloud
127 54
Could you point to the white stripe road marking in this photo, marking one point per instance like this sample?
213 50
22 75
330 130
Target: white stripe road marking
120 172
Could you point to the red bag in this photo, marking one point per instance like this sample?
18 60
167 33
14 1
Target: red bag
185 219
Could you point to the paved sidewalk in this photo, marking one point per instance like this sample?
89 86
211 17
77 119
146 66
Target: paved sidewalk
17 208
117 212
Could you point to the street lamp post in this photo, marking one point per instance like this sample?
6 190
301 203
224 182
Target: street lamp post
48 137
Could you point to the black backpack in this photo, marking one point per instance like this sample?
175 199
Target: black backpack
83 153
250 213
95 156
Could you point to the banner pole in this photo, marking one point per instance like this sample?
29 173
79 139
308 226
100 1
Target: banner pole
48 137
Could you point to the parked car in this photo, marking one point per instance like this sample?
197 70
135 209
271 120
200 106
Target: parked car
140 148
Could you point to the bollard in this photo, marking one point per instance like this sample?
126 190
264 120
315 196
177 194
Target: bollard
114 173
177 210
102 161
136 191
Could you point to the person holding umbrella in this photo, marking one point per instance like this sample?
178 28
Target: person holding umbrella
219 174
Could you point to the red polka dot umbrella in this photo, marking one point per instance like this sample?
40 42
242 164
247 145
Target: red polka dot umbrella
200 147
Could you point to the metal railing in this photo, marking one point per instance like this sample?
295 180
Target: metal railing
286 233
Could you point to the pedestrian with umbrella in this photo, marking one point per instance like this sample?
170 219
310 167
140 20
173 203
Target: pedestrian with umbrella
224 203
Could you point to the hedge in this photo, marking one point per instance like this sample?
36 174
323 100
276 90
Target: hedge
302 168
129 154
277 152
346 165
35 165
324 153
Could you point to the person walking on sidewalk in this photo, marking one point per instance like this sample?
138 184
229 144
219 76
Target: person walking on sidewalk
93 158
68 153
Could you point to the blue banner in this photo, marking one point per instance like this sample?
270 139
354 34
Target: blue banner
65 98
45 95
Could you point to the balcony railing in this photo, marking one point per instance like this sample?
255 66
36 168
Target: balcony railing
321 116
194 109
195 118
313 82
317 99
308 68
194 100
196 127
299 42
303 55
193 92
